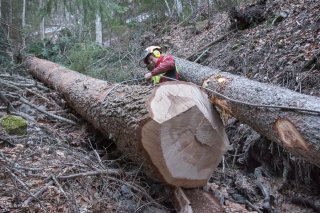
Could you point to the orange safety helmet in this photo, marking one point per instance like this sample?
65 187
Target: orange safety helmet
154 50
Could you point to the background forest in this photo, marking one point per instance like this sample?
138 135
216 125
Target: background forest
90 36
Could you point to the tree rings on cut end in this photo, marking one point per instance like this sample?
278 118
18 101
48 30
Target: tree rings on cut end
185 138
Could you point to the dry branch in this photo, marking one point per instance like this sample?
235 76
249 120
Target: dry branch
47 113
195 201
6 102
73 204
93 173
208 46
37 194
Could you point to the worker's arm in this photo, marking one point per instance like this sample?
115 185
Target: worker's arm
166 65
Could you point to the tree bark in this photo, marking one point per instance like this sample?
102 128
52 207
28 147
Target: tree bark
23 22
179 8
297 131
172 130
41 27
98 28
10 21
168 7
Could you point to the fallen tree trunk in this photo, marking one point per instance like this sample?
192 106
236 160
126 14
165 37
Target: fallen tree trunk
171 130
296 130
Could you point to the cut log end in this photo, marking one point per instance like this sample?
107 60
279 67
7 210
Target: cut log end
185 139
290 136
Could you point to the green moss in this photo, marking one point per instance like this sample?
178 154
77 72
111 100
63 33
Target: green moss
14 125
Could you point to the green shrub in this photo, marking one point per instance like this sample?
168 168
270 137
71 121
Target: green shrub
86 57
53 51
82 55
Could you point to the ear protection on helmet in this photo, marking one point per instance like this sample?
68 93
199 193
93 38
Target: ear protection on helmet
156 53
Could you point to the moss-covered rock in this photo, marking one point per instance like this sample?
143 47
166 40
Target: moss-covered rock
14 125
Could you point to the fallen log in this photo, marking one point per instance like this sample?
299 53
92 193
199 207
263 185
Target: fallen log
171 130
293 121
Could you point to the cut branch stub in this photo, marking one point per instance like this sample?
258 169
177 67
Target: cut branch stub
184 138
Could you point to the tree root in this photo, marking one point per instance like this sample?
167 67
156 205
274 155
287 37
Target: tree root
305 202
264 187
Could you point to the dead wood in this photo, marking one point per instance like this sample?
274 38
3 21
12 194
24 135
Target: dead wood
253 206
92 173
251 15
47 113
73 204
296 131
265 188
313 62
305 202
207 47
37 194
195 201
6 102
172 130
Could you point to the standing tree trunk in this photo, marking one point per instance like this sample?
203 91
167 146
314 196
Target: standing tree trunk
209 2
9 20
79 20
168 7
42 30
179 8
295 130
171 130
98 28
0 9
191 7
23 22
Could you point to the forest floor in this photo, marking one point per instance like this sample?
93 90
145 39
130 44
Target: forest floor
59 166
277 52
62 167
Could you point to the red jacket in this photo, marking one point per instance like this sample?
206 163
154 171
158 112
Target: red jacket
165 64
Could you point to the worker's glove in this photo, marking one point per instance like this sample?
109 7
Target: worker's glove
150 67
148 75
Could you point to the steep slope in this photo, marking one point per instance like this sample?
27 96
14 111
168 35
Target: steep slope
277 52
